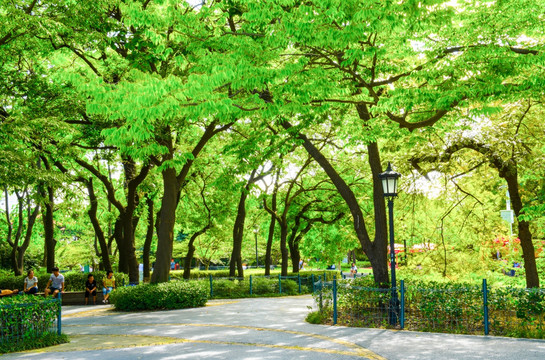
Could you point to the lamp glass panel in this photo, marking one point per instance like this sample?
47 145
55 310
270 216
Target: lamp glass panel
384 185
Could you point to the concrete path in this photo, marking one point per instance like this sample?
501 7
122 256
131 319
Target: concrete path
246 329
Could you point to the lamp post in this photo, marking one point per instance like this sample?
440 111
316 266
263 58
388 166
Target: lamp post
256 257
389 187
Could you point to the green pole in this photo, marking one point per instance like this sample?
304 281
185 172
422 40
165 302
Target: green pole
299 281
334 300
485 307
312 279
59 314
402 315
250 284
211 287
280 284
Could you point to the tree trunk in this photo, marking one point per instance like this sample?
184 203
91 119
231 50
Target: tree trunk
374 250
123 259
92 213
524 234
49 230
171 197
283 247
165 229
268 260
189 258
378 252
270 238
294 254
28 234
15 244
148 241
238 234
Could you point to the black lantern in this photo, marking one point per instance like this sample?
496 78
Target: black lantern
389 181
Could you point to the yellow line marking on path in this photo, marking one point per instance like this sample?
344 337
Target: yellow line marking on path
356 349
108 342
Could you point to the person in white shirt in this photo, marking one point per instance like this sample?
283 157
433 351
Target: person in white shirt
31 283
354 270
55 283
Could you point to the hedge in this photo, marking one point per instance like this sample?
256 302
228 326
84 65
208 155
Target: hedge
27 322
205 274
172 295
73 280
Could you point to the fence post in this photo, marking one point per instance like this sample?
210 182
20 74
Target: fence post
485 306
211 287
280 283
334 300
325 277
250 284
312 279
402 315
299 281
59 314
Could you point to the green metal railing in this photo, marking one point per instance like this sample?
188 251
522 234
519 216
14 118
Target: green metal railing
20 321
437 308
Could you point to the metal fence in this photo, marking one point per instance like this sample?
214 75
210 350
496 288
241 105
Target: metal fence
451 308
25 321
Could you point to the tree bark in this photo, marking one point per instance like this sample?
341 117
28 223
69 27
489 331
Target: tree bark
268 251
235 265
92 213
165 229
375 250
524 233
49 229
171 197
28 234
148 241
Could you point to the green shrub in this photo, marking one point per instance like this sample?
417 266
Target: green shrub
263 285
25 319
44 340
289 287
171 295
316 317
73 280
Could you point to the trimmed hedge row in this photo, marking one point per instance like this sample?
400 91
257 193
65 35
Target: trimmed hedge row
202 274
232 289
73 280
26 322
172 295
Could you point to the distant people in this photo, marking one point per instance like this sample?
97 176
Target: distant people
31 283
7 292
55 283
91 289
109 285
354 269
301 264
172 264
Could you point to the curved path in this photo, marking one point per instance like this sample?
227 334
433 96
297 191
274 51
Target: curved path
267 328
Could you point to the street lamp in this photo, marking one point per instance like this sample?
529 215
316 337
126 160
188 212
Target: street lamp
256 258
389 187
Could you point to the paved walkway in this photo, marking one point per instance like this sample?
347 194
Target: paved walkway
247 329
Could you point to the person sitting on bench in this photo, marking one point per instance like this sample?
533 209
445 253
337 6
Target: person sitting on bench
56 281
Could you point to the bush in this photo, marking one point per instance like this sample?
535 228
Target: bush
289 287
26 321
316 317
263 285
172 295
73 280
